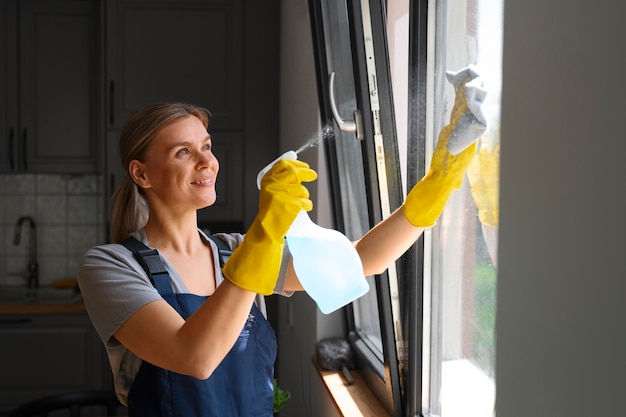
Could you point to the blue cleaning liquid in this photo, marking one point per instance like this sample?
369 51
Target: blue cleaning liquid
326 263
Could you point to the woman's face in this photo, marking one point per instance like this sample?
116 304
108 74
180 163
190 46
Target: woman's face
180 170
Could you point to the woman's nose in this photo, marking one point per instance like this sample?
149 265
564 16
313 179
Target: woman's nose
207 159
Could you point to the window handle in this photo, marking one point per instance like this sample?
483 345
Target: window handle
12 148
355 125
25 149
112 103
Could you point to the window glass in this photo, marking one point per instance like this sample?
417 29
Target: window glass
460 262
462 287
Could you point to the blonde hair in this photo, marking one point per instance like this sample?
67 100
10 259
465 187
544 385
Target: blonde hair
129 207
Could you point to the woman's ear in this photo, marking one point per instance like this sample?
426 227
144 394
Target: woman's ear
138 174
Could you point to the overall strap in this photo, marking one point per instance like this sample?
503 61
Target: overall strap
222 247
150 261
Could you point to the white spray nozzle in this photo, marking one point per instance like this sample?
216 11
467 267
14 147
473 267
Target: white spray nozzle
287 155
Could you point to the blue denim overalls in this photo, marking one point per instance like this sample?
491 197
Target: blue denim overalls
241 386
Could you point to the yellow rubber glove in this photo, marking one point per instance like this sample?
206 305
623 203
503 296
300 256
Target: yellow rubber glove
483 175
255 264
426 201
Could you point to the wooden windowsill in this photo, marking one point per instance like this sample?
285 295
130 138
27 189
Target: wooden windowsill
353 400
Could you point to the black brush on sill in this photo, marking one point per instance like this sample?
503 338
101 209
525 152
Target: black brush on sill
335 354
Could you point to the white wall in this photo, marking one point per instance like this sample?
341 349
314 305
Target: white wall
561 321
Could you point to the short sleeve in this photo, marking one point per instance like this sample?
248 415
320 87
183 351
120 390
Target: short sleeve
114 286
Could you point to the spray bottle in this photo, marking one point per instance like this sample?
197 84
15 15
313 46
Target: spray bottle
326 262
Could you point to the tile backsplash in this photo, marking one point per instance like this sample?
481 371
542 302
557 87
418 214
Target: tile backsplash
69 213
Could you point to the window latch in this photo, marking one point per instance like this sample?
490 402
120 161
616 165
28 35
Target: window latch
355 125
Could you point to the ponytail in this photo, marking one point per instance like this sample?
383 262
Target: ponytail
129 210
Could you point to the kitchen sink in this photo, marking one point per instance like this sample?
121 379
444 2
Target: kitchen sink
46 295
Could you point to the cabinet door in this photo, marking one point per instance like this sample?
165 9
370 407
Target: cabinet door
173 50
59 129
45 354
8 87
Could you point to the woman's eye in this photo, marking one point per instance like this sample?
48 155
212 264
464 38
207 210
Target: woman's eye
207 147
182 152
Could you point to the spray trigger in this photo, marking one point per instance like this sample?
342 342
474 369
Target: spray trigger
287 155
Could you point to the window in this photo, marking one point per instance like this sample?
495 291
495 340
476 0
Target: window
425 335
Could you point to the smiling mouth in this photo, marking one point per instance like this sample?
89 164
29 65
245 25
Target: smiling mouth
203 182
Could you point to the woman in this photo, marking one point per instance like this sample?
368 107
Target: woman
179 349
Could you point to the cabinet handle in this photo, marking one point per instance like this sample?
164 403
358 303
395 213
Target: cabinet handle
12 148
112 102
24 149
112 184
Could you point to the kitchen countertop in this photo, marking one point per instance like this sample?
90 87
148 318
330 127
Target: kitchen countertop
43 300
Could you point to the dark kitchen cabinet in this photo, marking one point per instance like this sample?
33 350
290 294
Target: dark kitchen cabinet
183 51
176 50
50 81
43 354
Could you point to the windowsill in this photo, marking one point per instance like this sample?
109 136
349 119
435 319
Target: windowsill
351 400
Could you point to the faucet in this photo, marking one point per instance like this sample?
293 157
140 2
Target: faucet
33 267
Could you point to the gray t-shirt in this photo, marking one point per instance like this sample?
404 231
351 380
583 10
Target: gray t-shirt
114 286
